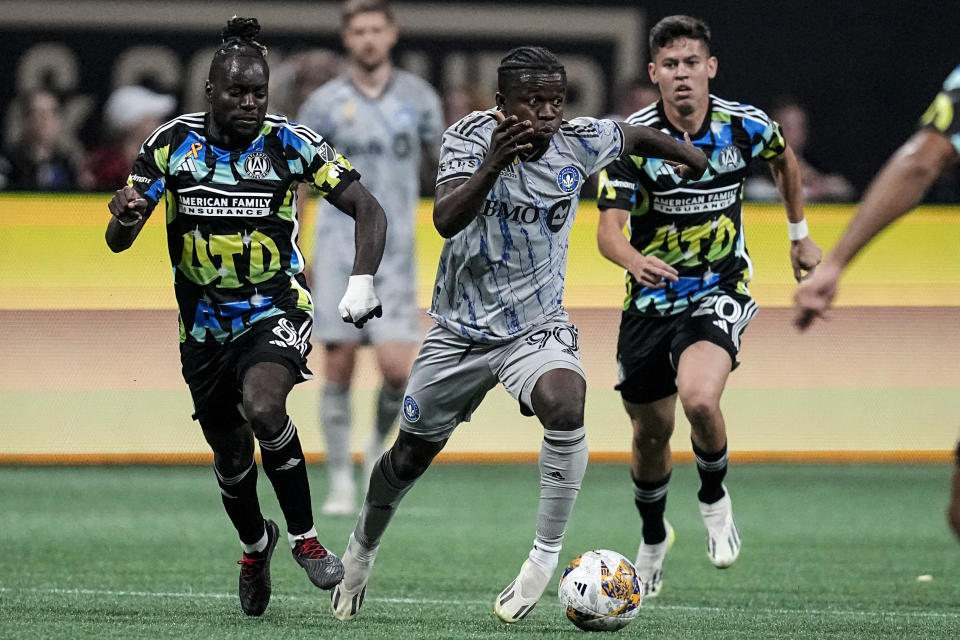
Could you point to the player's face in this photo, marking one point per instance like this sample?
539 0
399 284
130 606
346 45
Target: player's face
540 98
237 93
683 70
368 38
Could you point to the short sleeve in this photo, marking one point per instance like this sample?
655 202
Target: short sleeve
601 141
618 184
464 146
325 170
766 136
942 114
148 176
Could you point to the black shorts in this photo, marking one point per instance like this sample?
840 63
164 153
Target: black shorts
214 372
649 347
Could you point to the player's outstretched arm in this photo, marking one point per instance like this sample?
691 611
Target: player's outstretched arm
130 211
639 140
805 255
457 202
649 271
360 302
897 189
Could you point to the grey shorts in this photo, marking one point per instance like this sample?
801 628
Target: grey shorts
452 375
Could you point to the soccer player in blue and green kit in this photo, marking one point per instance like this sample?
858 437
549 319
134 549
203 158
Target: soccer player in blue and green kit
687 270
229 179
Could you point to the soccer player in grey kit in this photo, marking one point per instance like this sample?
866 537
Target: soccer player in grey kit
384 116
507 193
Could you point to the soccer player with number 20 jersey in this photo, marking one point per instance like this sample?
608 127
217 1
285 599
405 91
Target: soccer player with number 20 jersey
687 270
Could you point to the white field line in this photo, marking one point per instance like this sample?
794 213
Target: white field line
428 601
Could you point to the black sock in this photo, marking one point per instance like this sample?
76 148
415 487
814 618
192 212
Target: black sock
282 458
712 468
239 495
651 501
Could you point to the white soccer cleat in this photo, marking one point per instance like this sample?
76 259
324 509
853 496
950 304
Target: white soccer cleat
649 562
342 499
521 596
723 537
347 597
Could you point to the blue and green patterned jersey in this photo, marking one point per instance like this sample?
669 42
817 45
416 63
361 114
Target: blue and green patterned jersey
695 226
232 225
942 114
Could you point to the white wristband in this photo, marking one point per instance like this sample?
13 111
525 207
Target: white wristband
797 230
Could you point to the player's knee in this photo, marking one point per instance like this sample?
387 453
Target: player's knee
651 440
395 379
700 407
411 458
266 415
559 404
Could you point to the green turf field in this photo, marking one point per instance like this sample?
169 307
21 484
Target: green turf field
144 552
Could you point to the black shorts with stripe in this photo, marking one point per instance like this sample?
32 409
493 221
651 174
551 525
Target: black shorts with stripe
649 347
214 372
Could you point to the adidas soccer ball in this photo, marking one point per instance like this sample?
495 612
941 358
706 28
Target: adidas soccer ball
600 591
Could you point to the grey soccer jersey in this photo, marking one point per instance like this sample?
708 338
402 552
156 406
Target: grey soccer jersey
504 273
386 135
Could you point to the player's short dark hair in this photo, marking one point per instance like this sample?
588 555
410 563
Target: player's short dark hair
526 60
679 26
238 40
352 8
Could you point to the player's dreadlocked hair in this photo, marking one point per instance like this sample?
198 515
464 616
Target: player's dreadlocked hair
679 26
238 40
526 60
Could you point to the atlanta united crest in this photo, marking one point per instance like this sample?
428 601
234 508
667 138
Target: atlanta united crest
257 165
568 179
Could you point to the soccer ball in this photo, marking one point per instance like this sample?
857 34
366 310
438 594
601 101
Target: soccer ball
600 591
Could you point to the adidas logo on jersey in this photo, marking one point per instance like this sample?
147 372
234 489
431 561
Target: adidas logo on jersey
187 166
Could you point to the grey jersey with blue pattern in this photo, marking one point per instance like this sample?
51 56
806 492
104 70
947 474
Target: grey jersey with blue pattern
504 273
386 135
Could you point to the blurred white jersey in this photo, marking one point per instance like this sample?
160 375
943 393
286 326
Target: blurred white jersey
504 273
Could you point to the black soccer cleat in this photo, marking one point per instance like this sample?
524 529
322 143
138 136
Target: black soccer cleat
323 568
255 585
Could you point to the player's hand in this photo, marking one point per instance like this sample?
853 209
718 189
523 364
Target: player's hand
695 167
805 255
510 139
651 271
360 302
813 297
127 206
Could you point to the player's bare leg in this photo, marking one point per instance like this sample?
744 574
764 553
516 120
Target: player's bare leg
650 468
702 374
265 389
395 359
953 509
392 477
558 400
335 422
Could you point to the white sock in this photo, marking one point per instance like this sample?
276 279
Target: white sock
257 546
294 539
546 558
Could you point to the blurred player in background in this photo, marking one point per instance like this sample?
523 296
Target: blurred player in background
380 117
687 272
897 189
229 180
508 185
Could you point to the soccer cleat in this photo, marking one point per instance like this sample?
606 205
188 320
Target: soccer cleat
649 562
521 596
723 537
255 585
342 498
323 568
347 597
